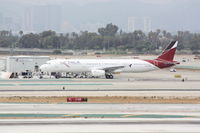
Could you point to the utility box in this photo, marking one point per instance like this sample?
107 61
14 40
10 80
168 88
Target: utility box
19 64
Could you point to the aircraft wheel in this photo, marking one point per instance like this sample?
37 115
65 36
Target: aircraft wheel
107 76
111 76
57 76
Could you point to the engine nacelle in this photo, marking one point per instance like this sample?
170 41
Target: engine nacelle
98 72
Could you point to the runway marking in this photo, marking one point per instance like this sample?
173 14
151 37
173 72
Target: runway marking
94 116
7 84
71 115
65 84
131 90
195 116
88 84
159 116
129 115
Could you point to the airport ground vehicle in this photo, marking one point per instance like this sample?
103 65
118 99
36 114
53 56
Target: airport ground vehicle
197 57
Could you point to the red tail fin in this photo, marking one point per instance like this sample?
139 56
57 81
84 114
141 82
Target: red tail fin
169 52
166 58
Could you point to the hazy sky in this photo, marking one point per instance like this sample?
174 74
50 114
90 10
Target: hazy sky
171 15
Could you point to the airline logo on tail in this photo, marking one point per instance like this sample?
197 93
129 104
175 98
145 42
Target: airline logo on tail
169 52
166 59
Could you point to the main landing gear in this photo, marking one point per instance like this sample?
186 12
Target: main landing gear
109 76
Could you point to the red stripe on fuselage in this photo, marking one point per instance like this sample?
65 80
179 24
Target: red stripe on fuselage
160 63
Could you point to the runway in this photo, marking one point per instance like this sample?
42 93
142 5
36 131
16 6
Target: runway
91 90
144 118
105 121
85 108
67 117
123 86
100 125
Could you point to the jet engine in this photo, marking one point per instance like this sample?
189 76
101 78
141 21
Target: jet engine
98 72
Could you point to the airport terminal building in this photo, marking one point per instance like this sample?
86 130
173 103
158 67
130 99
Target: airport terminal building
21 65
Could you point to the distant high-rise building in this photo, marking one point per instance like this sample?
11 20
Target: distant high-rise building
53 17
27 21
131 24
1 18
147 24
1 21
41 18
8 23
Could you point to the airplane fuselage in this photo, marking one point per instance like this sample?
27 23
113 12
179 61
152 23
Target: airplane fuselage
87 65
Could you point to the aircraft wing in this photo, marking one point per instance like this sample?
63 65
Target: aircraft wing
112 69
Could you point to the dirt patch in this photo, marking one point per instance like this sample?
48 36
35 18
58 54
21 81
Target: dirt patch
106 99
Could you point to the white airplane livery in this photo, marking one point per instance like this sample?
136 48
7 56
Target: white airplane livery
107 67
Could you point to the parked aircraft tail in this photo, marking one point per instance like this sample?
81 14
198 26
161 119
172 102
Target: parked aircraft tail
166 59
169 52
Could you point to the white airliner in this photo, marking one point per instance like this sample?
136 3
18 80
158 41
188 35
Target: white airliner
106 67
